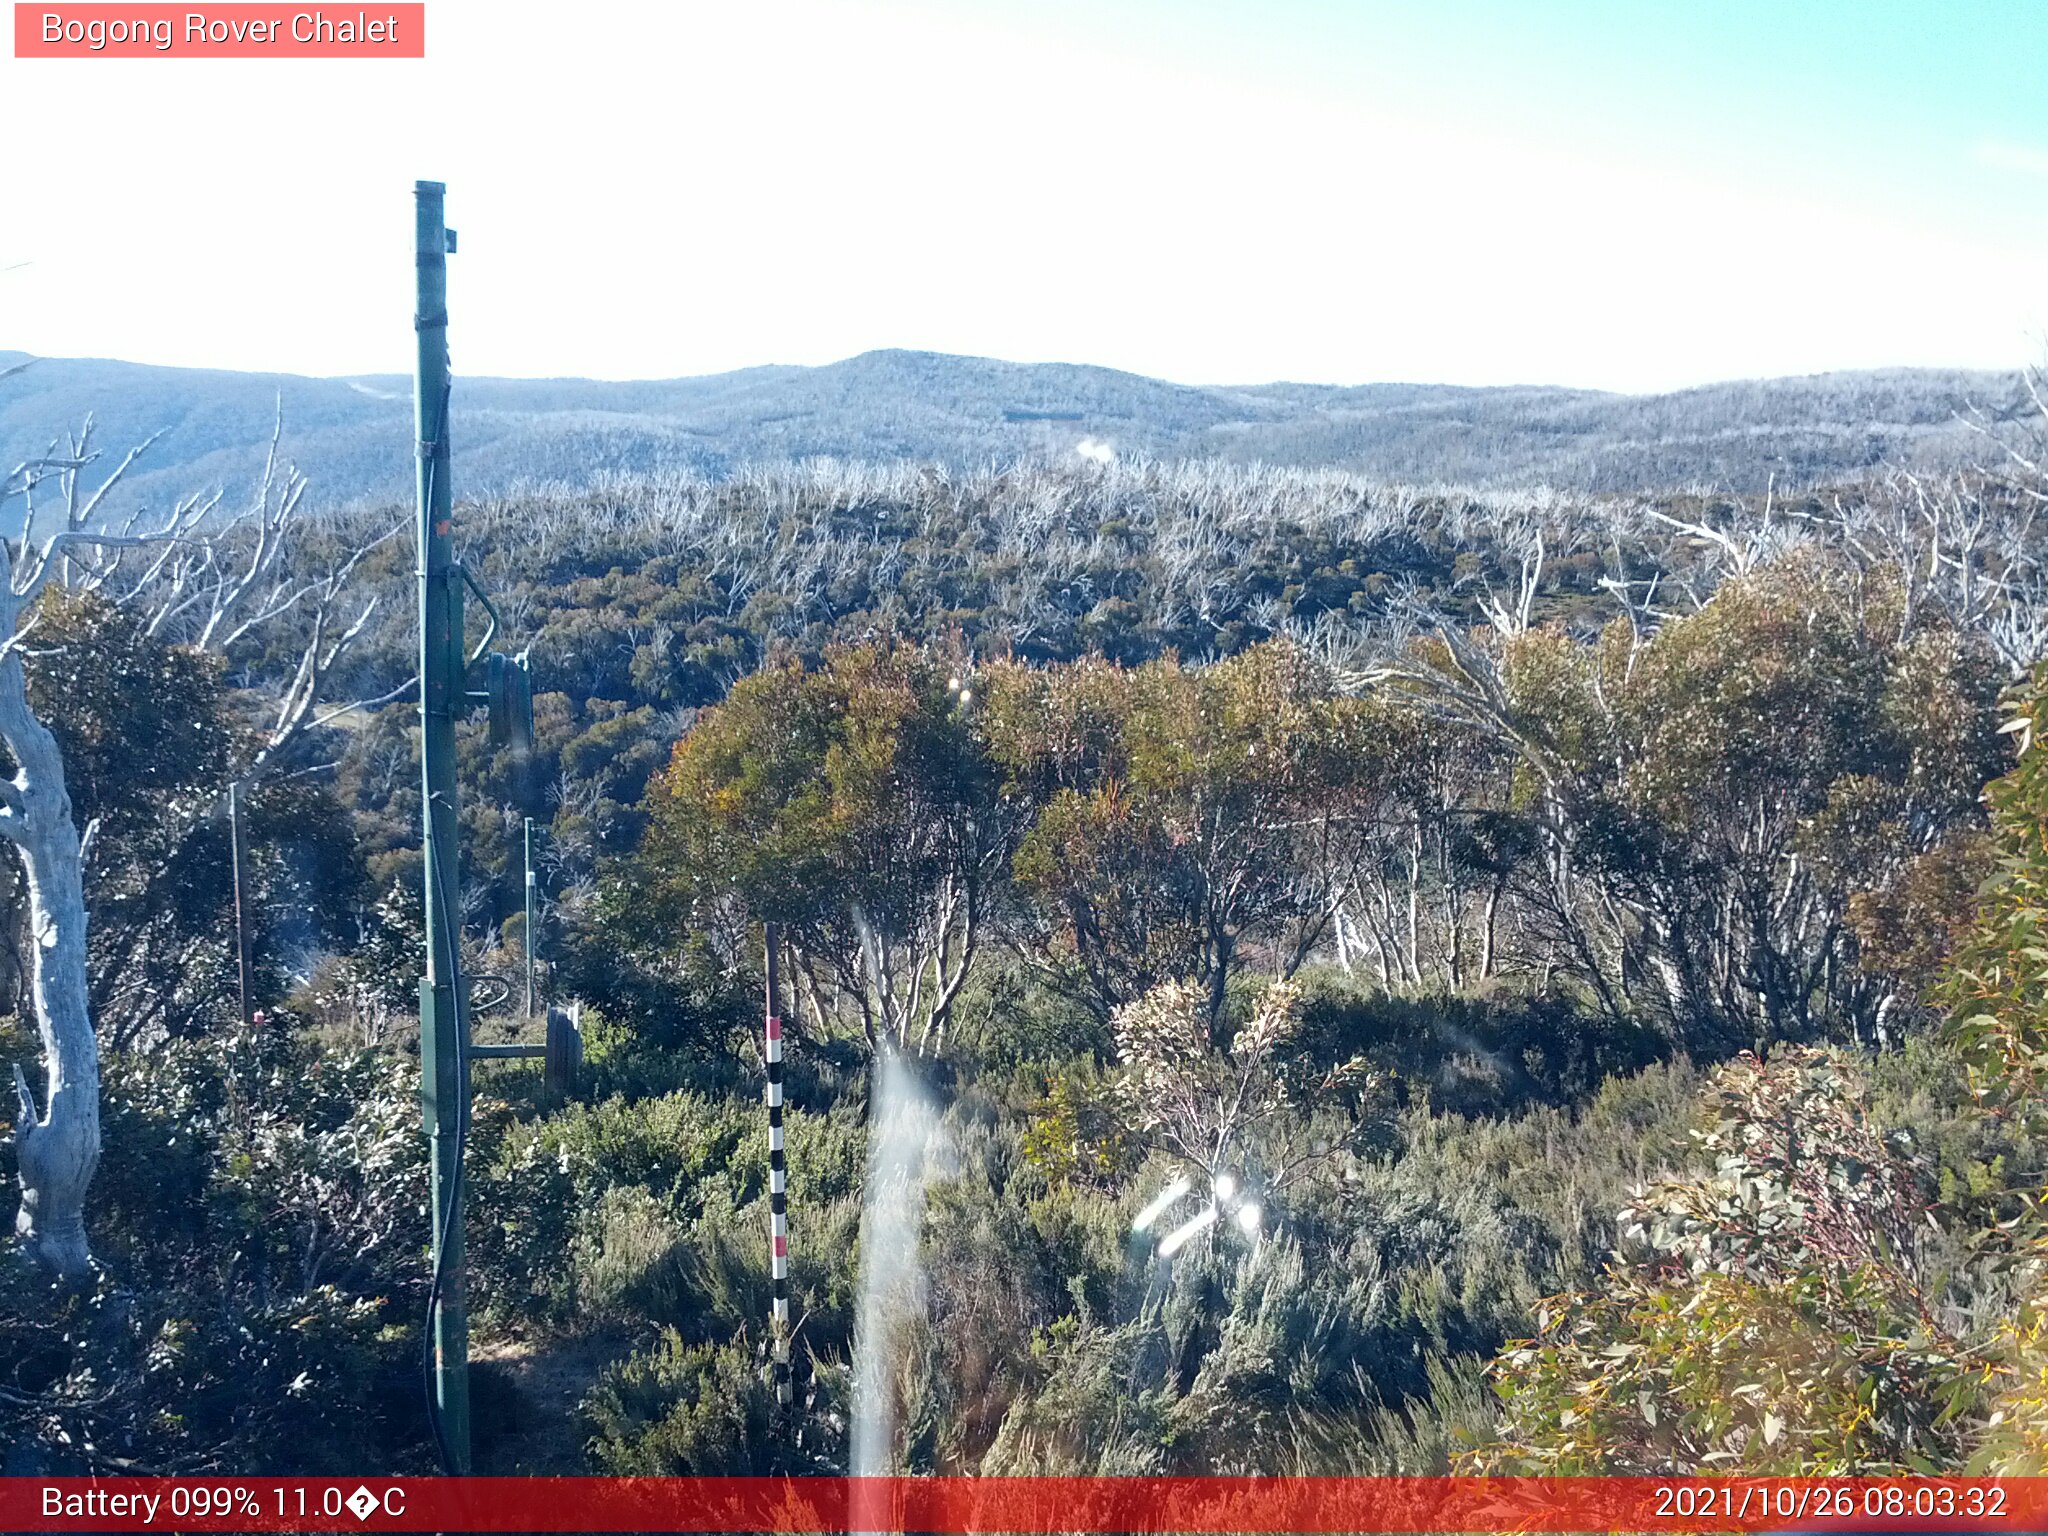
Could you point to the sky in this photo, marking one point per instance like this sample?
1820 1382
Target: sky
1637 195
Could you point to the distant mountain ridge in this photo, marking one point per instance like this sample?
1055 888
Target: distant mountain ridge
352 436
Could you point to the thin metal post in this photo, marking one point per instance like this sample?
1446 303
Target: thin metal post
444 1030
778 1172
532 906
237 858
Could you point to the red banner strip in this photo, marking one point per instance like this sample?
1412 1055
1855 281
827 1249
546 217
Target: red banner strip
378 30
956 1506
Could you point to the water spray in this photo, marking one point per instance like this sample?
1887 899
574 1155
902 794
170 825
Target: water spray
905 1147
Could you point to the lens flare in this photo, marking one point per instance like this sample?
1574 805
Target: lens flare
1160 1204
1180 1236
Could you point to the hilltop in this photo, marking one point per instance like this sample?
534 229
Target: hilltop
350 435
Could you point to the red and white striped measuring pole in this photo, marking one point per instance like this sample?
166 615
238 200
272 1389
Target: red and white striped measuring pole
778 1172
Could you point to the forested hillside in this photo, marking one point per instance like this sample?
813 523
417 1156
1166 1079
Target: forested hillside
1538 935
965 413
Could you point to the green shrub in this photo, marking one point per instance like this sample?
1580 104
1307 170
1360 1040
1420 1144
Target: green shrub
702 1410
654 1208
1775 1311
259 1217
616 1260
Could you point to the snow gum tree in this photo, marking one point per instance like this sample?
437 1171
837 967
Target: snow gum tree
854 804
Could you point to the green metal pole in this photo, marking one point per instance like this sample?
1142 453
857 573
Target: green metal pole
532 904
444 1064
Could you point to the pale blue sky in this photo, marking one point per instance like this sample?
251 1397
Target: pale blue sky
1624 195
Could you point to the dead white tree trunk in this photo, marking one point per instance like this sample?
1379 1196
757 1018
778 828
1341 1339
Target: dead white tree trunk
57 1147
57 1144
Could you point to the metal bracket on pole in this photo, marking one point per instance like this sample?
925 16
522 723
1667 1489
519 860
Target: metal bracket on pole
560 1055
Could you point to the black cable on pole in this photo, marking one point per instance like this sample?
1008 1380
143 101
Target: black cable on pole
437 1285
